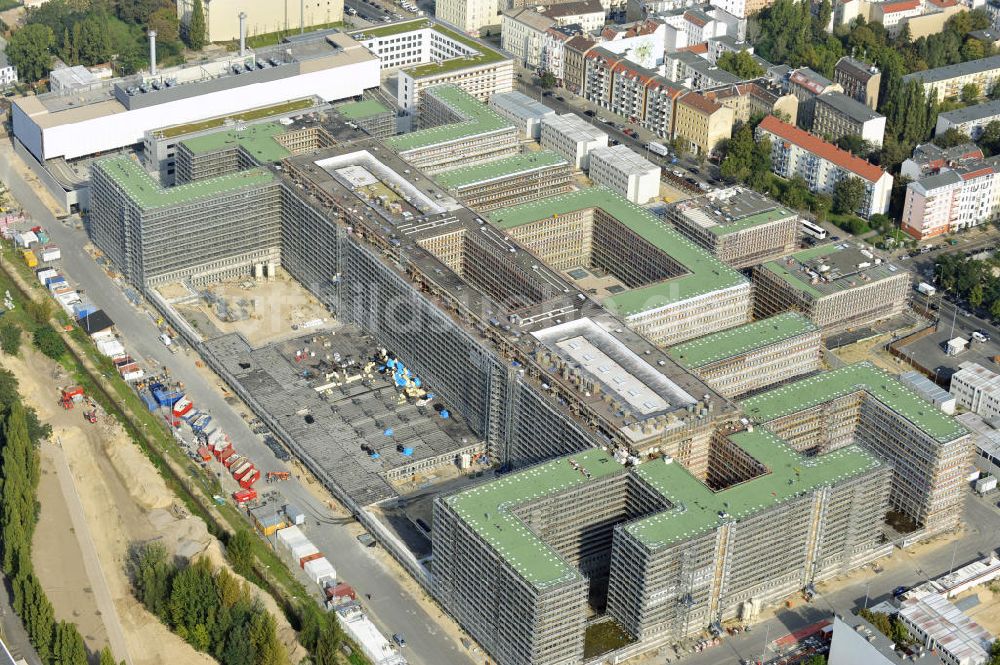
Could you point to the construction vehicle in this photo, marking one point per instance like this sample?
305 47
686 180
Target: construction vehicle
91 416
70 396
277 475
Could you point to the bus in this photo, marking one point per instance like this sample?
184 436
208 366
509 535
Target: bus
814 230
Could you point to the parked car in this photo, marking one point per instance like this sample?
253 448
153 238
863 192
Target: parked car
560 98
399 639
589 113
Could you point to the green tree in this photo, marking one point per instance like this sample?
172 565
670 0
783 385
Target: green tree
48 342
92 41
196 27
855 145
989 140
264 638
741 64
29 50
164 21
36 613
10 338
738 162
760 164
239 551
151 577
328 643
976 295
970 93
995 310
547 80
848 195
106 657
994 653
67 646
951 137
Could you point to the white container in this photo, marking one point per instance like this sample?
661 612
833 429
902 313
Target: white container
51 254
291 535
45 274
320 570
300 550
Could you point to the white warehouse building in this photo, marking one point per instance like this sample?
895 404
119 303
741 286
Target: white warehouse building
572 137
626 172
525 112
109 115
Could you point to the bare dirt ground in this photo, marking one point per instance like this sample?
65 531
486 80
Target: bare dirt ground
125 501
267 309
870 349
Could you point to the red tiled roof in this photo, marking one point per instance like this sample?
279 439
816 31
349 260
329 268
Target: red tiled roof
986 170
943 3
818 146
693 18
899 6
699 48
699 102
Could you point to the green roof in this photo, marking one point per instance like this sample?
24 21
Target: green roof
259 141
366 108
751 221
705 272
741 339
480 119
486 509
147 194
499 168
821 388
799 280
698 509
485 54
245 116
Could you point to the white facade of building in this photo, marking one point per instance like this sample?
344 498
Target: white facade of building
572 137
222 22
526 112
977 389
822 165
468 15
626 172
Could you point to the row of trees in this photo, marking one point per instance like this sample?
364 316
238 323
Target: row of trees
971 280
91 32
56 642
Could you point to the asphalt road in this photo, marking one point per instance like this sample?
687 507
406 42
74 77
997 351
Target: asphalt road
392 607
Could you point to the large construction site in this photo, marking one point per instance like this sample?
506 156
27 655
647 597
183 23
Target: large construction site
578 346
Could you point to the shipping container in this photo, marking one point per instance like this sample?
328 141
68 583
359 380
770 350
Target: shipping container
309 557
205 454
291 535
299 550
29 258
241 468
294 514
249 479
44 275
148 400
51 253
225 453
320 570
228 462
244 495
216 435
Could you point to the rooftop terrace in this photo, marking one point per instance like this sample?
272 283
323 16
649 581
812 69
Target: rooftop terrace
366 108
480 119
484 54
821 388
148 194
705 272
244 116
827 269
499 168
731 210
742 339
258 140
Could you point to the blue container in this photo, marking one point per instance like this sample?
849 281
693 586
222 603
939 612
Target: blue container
148 400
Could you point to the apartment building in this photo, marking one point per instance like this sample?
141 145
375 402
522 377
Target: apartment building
222 17
977 389
469 16
928 159
753 356
642 42
574 63
971 120
427 53
753 98
738 226
663 285
928 451
572 137
836 286
948 81
638 94
807 85
822 165
742 8
524 29
836 115
205 230
894 13
458 130
696 72
525 112
960 196
702 123
859 80
509 181
624 171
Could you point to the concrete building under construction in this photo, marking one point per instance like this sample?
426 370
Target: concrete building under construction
753 356
838 286
737 225
509 181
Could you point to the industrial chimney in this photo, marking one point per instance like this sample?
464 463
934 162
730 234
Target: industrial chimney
152 52
243 34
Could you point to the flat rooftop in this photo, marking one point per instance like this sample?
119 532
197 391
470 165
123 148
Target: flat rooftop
232 118
257 140
521 105
574 127
731 210
952 71
499 169
705 273
148 194
831 268
982 111
362 110
741 339
479 120
697 509
822 388
625 160
479 53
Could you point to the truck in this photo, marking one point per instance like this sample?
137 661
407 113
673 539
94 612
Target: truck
658 148
926 289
